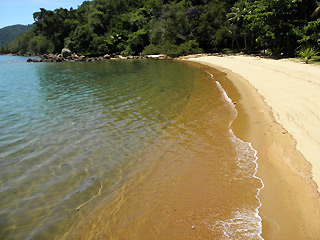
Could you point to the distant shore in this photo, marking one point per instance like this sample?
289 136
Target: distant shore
279 113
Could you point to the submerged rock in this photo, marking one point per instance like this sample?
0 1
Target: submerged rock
32 60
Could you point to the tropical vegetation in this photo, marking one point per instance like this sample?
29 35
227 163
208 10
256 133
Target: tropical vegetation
175 27
307 53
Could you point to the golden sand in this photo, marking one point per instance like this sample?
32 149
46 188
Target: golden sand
290 200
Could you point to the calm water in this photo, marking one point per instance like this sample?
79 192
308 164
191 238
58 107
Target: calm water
121 150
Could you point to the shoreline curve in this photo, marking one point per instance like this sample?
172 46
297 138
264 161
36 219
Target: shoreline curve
271 96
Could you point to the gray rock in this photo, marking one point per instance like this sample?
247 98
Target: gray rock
82 58
32 60
91 60
65 53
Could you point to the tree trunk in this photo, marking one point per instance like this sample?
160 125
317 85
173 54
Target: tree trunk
245 42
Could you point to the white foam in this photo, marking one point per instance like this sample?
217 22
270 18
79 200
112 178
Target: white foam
242 217
241 226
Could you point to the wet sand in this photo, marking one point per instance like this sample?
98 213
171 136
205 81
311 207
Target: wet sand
197 181
277 101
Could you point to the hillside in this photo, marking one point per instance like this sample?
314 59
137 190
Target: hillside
8 34
174 27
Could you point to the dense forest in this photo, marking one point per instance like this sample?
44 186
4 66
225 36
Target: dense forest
175 27
8 34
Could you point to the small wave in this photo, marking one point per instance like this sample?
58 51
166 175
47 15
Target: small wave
242 217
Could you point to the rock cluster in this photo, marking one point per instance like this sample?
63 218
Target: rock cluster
67 56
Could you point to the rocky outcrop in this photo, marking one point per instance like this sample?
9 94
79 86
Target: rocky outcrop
67 56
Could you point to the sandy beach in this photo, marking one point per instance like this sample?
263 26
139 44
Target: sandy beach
279 113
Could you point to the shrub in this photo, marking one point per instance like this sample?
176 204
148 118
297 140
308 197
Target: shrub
307 52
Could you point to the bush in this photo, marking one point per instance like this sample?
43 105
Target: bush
307 52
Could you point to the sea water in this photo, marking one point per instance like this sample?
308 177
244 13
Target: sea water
122 150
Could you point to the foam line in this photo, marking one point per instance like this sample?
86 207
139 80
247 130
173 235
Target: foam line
255 154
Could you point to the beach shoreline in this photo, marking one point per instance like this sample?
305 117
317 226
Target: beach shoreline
290 198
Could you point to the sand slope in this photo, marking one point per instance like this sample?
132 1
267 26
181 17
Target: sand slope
292 90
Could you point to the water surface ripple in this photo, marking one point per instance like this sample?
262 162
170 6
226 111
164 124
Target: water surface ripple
109 149
68 129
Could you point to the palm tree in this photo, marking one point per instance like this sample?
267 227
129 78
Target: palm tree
236 17
317 10
304 6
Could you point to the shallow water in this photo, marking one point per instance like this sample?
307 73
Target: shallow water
121 150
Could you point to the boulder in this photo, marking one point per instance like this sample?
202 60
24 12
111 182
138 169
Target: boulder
162 56
32 60
159 56
65 52
122 57
82 58
91 60
50 55
107 56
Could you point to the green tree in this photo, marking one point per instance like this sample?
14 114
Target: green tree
272 24
80 39
173 26
212 31
310 34
54 25
40 45
236 18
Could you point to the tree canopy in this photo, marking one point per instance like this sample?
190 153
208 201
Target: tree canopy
175 27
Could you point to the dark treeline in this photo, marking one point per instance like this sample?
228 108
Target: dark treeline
176 27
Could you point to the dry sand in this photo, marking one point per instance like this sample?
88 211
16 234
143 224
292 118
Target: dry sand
279 112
